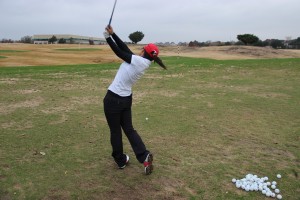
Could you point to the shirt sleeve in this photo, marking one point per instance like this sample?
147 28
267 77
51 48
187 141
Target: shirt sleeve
121 53
121 44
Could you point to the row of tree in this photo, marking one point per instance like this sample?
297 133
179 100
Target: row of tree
250 39
135 37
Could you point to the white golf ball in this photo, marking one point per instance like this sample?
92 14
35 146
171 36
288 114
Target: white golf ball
273 187
277 191
147 118
278 176
274 183
233 180
279 196
264 191
268 183
249 176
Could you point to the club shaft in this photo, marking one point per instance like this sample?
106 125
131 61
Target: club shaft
112 13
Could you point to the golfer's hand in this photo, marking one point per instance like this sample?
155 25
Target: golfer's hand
106 34
109 29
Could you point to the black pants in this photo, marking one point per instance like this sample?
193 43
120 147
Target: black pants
118 115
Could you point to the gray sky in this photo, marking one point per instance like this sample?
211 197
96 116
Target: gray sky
160 20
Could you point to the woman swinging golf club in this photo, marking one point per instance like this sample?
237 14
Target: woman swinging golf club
118 100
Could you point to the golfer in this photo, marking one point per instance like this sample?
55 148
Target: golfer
118 100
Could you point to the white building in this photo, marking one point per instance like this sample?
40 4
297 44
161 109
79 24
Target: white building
70 39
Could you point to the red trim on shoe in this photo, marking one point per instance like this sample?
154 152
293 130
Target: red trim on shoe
147 164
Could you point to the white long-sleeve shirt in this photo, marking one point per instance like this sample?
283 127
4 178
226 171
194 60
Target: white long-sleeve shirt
128 74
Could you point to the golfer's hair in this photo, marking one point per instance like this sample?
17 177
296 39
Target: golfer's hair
159 61
156 59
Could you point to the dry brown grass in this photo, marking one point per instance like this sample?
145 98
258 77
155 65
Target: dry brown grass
39 55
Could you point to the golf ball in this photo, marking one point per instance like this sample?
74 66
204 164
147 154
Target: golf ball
147 118
252 182
278 176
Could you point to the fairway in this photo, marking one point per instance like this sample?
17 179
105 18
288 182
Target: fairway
208 121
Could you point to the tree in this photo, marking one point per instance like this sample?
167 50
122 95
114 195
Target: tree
136 36
295 43
62 41
260 43
7 40
52 40
277 44
26 39
248 38
91 42
72 41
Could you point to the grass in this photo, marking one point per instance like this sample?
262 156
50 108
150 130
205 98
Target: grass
209 121
11 51
78 49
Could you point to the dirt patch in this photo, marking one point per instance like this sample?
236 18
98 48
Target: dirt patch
17 126
9 81
29 91
6 109
231 52
40 55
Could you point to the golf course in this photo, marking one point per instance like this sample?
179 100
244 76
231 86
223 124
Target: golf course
216 114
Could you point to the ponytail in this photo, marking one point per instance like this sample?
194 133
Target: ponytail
159 61
155 58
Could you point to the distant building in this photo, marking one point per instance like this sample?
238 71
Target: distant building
70 39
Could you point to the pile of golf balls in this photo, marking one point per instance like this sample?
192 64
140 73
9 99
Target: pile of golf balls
253 183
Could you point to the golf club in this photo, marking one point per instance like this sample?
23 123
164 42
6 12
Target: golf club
112 13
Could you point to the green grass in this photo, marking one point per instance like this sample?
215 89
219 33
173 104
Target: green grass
79 49
11 51
2 57
209 121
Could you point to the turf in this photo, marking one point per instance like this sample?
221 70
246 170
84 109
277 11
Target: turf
79 49
10 51
208 122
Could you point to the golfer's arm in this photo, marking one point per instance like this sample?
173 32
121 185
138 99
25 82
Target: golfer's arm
121 44
119 52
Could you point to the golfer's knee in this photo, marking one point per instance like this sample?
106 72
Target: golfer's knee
129 131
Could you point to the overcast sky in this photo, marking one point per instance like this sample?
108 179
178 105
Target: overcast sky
160 20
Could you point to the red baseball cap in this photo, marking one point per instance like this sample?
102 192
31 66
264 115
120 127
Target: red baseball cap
151 49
